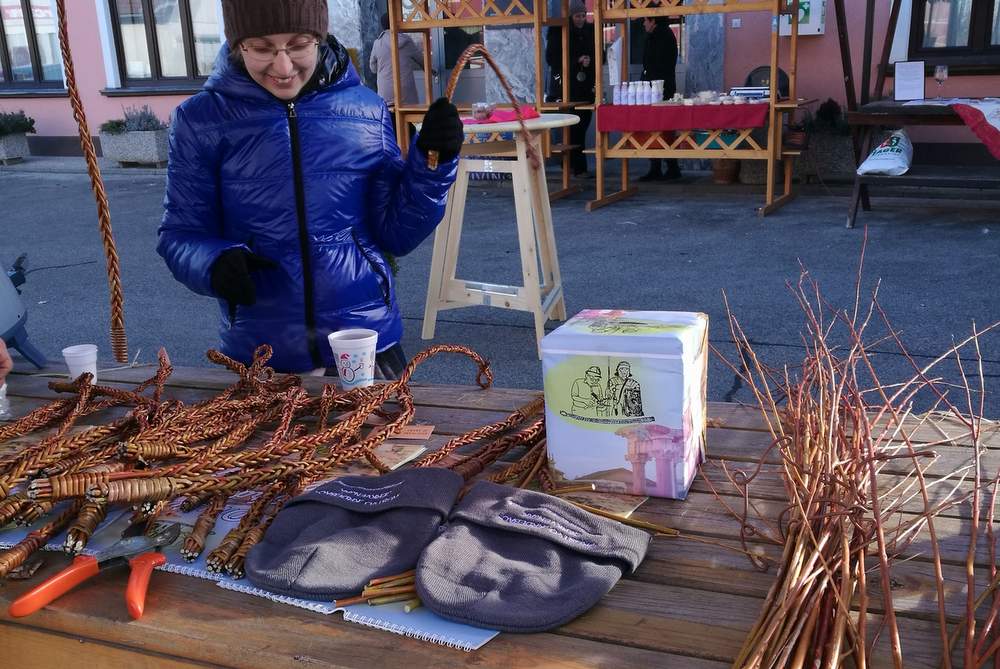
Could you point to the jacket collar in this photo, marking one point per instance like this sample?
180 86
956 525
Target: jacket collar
334 69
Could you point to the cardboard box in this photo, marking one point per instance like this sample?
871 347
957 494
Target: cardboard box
625 399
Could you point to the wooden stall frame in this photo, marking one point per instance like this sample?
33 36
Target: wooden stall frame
620 12
426 15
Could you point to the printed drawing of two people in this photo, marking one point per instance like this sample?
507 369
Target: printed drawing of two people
621 396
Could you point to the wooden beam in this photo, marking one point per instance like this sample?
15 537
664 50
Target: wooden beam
866 60
775 204
610 199
845 56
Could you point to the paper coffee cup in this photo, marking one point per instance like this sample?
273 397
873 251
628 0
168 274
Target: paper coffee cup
81 358
354 353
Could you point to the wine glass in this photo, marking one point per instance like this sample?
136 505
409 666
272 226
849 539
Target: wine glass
940 76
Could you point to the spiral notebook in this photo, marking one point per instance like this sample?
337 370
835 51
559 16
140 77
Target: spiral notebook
421 623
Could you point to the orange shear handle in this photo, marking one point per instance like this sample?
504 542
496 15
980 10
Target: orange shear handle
138 581
82 568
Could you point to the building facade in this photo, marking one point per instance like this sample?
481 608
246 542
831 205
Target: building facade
157 52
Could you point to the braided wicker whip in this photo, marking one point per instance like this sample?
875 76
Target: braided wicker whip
119 342
472 50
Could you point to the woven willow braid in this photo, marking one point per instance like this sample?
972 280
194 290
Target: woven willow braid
520 467
463 59
477 462
119 342
519 416
30 513
219 557
194 543
13 558
52 448
234 566
11 507
79 533
34 421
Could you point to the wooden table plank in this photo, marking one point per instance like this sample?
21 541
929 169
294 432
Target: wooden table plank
195 620
688 605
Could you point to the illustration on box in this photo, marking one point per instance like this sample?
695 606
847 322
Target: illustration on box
608 397
618 322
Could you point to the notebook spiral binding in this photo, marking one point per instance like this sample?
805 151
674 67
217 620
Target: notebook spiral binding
318 607
451 642
188 570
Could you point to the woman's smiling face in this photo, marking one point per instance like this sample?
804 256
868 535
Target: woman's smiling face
282 63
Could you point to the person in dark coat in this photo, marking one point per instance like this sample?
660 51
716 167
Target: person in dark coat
581 76
659 61
286 190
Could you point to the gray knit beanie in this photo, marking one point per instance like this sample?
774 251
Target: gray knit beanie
577 7
256 18
329 542
521 561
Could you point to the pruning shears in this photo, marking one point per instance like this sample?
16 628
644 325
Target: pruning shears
142 553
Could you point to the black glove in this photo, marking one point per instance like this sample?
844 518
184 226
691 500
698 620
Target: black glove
442 130
231 275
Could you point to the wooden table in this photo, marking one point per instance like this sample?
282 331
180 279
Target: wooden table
689 605
541 292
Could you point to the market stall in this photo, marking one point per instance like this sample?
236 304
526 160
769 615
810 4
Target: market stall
686 129
425 16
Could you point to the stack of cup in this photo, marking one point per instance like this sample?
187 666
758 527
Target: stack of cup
81 358
354 354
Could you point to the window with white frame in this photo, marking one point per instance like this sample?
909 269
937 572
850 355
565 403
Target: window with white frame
959 32
29 45
164 42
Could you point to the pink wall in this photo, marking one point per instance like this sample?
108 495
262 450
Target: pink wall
54 116
820 74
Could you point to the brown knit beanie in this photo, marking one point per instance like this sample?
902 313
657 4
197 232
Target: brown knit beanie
256 18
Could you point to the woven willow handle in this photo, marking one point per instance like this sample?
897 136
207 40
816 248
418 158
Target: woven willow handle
119 342
470 51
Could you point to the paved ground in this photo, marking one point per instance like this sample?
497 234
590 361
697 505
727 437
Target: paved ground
674 247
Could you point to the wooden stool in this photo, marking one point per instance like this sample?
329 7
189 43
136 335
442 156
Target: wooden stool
542 296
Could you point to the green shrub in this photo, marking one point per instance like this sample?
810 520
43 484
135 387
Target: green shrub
137 119
115 126
829 118
12 123
142 118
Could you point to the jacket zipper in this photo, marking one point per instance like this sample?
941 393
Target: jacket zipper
384 282
300 210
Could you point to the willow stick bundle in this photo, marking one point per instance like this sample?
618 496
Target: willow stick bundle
835 425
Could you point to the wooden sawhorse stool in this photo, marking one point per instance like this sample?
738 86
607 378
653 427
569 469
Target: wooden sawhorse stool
542 296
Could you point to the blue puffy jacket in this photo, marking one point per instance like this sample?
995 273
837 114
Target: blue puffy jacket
316 185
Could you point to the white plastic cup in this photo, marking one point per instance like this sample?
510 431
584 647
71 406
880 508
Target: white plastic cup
354 354
81 358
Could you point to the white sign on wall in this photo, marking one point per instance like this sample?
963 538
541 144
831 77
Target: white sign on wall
812 19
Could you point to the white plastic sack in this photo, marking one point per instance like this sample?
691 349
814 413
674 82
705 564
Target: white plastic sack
892 157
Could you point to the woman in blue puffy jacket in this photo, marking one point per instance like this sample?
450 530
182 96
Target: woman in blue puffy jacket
285 188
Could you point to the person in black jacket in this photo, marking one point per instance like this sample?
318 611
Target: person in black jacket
659 61
581 73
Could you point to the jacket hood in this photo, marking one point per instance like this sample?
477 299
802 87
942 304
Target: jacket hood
229 78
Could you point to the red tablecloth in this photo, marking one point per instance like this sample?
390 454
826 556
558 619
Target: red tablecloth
983 118
503 116
650 118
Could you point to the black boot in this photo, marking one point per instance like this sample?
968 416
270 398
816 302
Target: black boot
655 172
673 170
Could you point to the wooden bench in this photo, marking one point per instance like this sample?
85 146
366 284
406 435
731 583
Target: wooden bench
873 117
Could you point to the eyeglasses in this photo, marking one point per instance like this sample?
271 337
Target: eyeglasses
262 53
